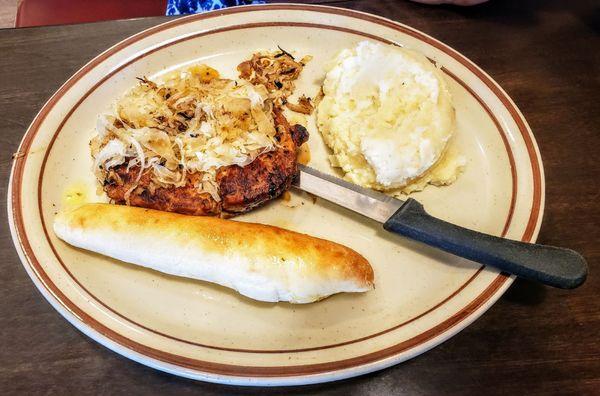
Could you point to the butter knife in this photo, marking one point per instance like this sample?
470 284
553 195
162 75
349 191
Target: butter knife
553 266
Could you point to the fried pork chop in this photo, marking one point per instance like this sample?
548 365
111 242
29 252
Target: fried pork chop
241 188
200 145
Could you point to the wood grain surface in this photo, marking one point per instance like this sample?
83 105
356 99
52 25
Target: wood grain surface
534 341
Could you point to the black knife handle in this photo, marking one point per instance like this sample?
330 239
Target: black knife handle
553 266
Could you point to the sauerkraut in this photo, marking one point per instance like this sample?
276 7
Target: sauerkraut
193 121
277 71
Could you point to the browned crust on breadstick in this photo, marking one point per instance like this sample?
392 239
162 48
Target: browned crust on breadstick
320 258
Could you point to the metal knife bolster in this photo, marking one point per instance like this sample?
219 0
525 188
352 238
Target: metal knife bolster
375 205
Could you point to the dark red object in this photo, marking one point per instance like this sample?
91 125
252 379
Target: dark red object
58 12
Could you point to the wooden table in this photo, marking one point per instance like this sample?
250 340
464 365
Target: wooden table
535 340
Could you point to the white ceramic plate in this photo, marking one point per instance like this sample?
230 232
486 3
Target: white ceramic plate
202 331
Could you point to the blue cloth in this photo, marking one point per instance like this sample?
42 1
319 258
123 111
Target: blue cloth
180 7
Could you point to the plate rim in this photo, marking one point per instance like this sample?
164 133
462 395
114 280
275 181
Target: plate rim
501 131
500 283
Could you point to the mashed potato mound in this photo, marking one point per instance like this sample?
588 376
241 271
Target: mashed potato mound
386 114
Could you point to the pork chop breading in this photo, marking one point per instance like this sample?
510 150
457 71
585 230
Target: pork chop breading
268 176
241 188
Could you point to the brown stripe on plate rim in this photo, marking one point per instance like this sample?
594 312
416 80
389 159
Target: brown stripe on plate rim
241 370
